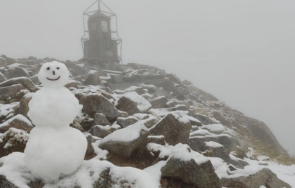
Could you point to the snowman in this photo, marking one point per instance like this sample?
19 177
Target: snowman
54 148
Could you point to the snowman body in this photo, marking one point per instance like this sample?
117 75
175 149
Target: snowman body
54 148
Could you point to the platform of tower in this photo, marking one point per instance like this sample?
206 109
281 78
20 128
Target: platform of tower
101 43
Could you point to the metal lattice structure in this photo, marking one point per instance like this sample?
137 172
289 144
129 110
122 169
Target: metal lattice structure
101 42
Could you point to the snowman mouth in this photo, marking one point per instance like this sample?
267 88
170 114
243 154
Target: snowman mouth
53 79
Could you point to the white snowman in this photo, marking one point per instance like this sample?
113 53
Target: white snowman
54 148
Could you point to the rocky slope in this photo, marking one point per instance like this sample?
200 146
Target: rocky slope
145 128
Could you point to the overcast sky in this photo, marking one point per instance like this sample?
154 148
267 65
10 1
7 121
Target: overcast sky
241 52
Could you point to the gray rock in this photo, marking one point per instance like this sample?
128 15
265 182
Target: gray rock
2 78
18 72
203 119
174 130
159 102
190 173
127 105
12 93
264 177
117 78
3 62
76 68
157 139
92 78
125 122
100 119
93 104
8 59
18 122
24 105
26 82
100 131
125 147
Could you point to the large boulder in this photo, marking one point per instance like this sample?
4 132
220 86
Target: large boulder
26 82
175 127
12 93
19 72
19 122
183 166
265 177
124 142
133 103
95 103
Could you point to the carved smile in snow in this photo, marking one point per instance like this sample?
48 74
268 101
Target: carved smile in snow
53 79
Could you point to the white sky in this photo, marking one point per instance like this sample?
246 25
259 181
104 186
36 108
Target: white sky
241 52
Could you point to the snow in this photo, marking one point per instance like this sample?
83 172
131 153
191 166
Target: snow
155 170
200 132
215 127
6 109
142 104
165 151
126 134
14 65
213 144
15 170
15 135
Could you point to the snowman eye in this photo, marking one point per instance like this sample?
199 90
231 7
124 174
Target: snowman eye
57 67
48 68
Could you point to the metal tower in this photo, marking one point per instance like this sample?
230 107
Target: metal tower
101 42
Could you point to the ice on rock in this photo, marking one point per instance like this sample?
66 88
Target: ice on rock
54 149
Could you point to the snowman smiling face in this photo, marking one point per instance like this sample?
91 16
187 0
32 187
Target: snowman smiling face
53 74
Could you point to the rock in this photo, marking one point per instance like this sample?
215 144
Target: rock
2 78
19 72
101 131
92 78
77 125
5 183
73 83
133 103
203 119
173 78
174 127
24 105
87 123
76 68
189 171
124 142
159 102
179 107
32 58
18 122
8 59
100 119
197 142
157 139
93 104
117 78
265 177
26 82
12 93
125 122
3 62
90 151
171 104
13 140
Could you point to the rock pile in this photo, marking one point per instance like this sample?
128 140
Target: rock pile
141 117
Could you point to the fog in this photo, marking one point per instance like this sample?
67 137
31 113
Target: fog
241 52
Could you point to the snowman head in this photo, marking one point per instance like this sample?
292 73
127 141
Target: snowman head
54 74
